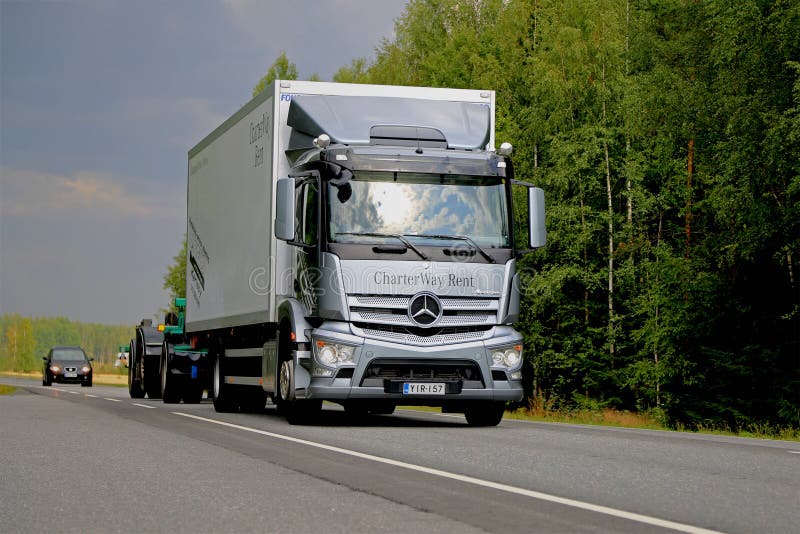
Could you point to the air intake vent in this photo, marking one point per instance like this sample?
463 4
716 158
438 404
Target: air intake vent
416 136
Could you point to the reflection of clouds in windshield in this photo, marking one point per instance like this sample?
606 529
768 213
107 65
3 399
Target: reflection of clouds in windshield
403 208
394 202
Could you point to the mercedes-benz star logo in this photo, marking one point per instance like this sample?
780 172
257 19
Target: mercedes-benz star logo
425 309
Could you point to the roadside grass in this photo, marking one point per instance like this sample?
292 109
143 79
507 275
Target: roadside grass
755 430
101 379
601 417
647 421
625 419
7 390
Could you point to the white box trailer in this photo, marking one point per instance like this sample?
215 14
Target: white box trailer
354 243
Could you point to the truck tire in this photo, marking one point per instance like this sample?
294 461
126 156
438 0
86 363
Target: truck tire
362 409
296 411
222 393
170 390
151 373
135 388
192 392
253 401
485 413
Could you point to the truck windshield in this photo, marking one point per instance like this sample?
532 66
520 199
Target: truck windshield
425 209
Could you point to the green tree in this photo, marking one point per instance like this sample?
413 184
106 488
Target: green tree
356 72
175 277
21 345
281 69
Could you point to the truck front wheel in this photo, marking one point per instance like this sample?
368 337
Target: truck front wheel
485 413
296 411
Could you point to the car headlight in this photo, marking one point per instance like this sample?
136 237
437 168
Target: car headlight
55 369
86 368
509 357
334 354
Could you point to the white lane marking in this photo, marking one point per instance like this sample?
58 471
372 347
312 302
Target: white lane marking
680 527
112 400
74 392
143 405
793 452
92 396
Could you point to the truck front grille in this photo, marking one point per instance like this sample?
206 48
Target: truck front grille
393 310
420 337
446 370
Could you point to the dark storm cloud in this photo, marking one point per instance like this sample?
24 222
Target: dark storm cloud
101 102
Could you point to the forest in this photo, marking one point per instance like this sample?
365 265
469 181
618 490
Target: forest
24 340
666 135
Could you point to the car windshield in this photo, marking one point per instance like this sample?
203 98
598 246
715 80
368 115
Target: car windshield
425 209
68 355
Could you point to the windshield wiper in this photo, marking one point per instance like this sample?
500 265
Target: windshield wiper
399 237
458 238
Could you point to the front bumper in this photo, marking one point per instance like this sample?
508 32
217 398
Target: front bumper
382 367
80 379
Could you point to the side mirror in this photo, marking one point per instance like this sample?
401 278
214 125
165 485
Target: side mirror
284 210
44 358
538 232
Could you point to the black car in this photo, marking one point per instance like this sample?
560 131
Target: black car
67 365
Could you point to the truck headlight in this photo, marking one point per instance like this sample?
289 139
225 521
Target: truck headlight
508 357
334 354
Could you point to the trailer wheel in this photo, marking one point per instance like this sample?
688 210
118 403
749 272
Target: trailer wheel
135 388
221 392
192 392
152 376
170 392
485 414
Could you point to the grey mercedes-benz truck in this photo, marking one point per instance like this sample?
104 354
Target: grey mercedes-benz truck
355 244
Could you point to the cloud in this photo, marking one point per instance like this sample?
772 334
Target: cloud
183 121
84 194
318 36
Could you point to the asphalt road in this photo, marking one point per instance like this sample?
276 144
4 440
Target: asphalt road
94 460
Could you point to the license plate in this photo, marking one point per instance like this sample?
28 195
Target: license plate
72 374
423 388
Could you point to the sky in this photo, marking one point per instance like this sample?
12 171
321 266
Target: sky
100 101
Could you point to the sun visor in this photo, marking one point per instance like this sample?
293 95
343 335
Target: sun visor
350 119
